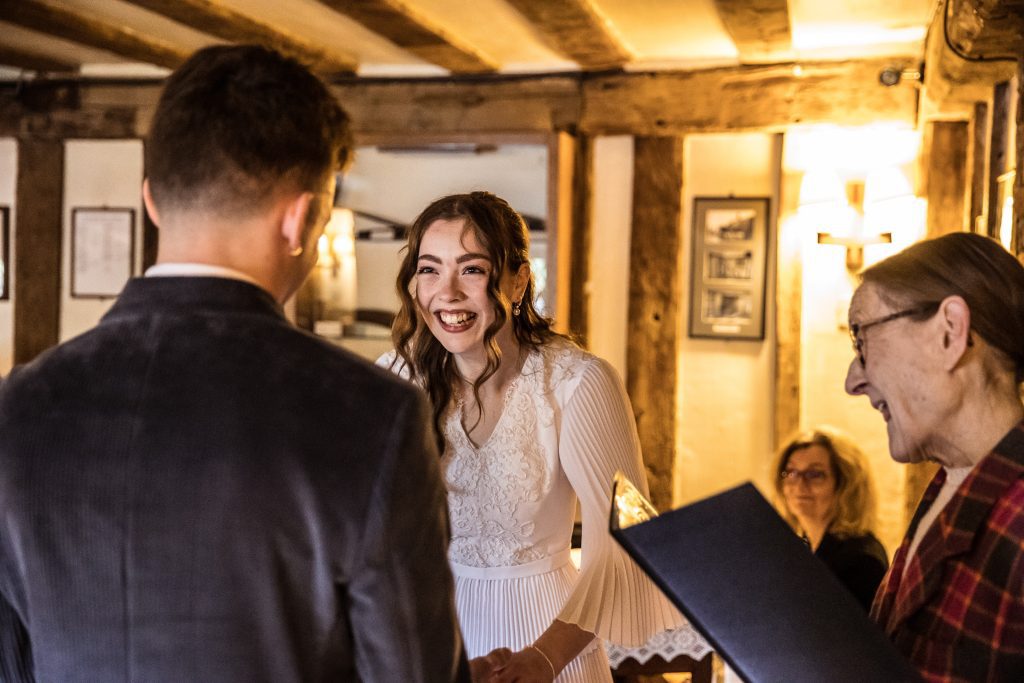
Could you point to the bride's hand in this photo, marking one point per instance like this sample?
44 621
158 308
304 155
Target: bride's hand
528 665
481 668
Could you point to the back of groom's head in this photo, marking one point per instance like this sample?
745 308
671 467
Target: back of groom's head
236 124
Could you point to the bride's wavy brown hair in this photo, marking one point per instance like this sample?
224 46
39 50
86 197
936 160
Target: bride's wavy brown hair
504 236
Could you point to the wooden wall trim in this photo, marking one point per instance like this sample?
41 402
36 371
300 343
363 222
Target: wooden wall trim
654 323
582 199
947 177
998 147
38 234
977 156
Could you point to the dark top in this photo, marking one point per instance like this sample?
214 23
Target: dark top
859 562
195 490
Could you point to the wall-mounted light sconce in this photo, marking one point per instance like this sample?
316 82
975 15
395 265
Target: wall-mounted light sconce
856 213
855 238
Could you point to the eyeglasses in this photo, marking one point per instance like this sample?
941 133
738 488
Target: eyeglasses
812 477
858 329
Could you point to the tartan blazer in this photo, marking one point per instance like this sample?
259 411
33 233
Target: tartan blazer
956 610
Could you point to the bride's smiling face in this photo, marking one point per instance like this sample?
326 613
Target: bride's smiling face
453 270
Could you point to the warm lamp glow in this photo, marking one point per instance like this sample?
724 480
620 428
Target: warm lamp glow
336 264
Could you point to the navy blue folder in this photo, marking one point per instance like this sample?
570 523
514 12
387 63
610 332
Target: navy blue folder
771 609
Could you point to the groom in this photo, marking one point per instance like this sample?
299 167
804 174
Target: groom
195 490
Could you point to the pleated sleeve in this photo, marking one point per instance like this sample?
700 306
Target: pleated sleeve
613 598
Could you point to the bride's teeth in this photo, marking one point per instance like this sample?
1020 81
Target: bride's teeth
455 318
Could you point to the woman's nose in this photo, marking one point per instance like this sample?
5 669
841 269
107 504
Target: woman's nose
450 290
855 380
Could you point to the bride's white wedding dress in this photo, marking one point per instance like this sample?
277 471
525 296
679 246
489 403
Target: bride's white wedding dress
566 427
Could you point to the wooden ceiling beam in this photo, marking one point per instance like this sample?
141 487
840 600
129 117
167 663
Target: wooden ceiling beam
966 41
33 62
768 97
984 29
46 17
759 28
218 20
414 33
574 28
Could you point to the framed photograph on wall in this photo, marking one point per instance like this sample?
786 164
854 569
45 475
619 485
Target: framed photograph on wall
727 278
102 251
5 253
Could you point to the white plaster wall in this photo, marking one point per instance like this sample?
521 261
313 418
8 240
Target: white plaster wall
97 173
611 221
8 174
726 388
399 185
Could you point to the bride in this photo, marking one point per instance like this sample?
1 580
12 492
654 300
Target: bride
527 422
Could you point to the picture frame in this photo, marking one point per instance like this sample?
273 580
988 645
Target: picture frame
5 253
729 267
102 251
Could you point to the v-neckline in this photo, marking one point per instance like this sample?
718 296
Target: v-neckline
461 417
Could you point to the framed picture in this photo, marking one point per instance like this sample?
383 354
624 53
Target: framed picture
727 280
102 251
5 253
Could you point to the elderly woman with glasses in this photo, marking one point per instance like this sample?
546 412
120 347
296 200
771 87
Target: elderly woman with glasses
823 488
938 331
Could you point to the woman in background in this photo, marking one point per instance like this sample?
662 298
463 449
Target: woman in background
527 422
823 488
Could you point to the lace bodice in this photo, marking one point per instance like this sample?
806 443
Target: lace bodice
565 429
509 499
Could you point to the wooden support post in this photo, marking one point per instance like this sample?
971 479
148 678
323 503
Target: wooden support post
997 154
561 167
977 153
652 356
788 307
582 196
1017 236
37 257
947 177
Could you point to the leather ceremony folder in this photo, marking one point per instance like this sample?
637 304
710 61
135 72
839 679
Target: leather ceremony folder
771 609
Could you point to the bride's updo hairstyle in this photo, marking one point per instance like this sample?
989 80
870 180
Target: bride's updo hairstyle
504 236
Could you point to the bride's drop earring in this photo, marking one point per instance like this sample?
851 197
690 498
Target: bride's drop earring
516 308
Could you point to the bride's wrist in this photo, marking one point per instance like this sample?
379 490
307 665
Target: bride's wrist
554 674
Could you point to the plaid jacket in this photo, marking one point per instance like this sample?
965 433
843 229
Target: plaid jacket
957 609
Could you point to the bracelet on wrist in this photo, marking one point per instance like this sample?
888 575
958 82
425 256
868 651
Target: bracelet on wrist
547 659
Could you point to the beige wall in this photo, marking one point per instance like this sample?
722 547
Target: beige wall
97 173
726 392
611 220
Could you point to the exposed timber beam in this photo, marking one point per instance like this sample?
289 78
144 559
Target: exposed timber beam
405 28
984 29
654 328
746 98
964 53
575 29
759 28
219 20
48 17
33 62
